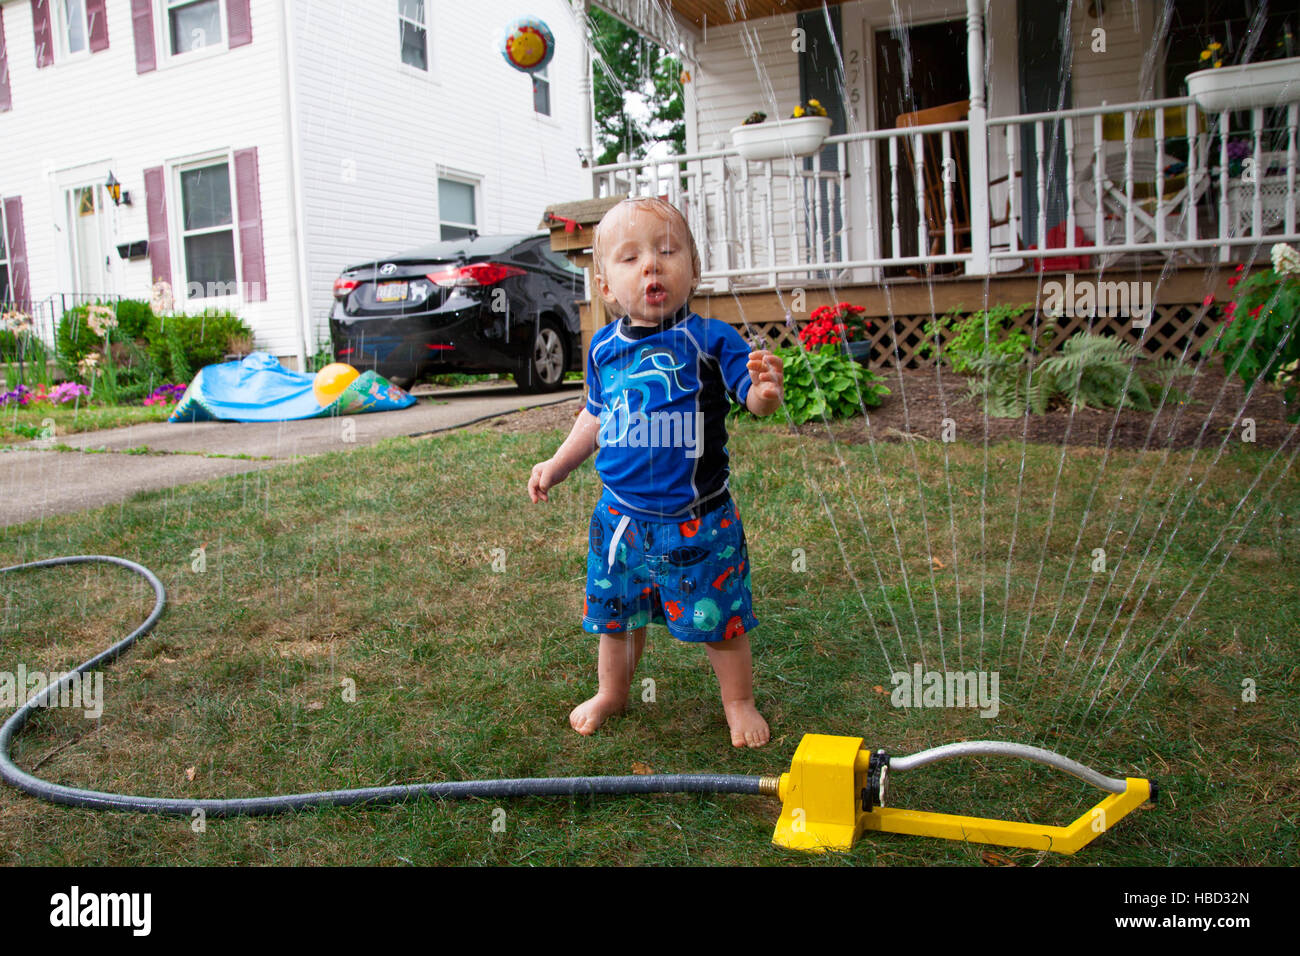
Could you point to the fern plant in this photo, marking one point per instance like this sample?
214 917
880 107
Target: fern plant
1090 371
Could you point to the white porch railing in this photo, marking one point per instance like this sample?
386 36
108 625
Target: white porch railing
760 224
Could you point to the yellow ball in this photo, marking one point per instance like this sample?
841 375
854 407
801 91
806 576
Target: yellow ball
331 381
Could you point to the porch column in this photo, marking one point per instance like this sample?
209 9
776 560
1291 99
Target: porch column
580 8
979 141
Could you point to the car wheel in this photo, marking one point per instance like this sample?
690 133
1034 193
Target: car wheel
546 360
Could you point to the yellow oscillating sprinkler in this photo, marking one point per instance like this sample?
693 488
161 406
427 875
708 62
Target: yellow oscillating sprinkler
835 791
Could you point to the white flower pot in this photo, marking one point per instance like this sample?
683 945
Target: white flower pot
1266 84
774 139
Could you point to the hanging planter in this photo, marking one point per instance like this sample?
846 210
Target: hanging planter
1264 84
801 136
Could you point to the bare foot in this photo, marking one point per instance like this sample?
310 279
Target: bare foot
748 728
590 714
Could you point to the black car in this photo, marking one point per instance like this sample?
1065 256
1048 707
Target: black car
475 304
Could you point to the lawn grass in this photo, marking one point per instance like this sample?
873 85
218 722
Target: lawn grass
375 566
77 417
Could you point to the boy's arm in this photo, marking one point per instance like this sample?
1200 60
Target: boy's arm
575 450
754 377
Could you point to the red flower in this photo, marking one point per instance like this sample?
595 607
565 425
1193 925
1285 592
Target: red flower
1254 313
1233 281
1208 301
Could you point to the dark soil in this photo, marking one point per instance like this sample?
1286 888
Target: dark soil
1214 408
1202 422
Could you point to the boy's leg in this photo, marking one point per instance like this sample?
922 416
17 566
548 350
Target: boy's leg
618 657
733 664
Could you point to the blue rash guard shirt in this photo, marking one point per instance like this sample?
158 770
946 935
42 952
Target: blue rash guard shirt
662 394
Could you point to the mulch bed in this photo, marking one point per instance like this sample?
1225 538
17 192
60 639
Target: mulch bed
1176 426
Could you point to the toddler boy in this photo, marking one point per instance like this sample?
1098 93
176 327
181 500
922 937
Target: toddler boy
665 542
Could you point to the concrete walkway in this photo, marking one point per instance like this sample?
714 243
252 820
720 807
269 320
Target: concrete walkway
38 482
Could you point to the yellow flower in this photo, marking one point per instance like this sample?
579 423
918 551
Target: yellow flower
1216 45
813 103
1205 54
1218 63
798 111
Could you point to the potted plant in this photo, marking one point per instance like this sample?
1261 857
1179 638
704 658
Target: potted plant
841 324
1265 84
800 135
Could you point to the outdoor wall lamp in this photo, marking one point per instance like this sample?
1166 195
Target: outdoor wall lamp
116 192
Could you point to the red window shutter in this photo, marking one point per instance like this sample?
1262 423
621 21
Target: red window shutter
20 290
155 187
98 25
248 199
142 27
6 101
41 30
239 22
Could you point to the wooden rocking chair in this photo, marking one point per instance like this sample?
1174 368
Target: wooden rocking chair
936 201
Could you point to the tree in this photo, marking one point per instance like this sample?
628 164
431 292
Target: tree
626 67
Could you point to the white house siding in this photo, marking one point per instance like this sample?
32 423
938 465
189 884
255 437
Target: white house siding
751 65
72 122
1117 75
375 132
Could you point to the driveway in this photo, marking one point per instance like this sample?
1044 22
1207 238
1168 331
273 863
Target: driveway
110 466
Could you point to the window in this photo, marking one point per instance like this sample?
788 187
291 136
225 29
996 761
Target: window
542 91
193 25
208 231
73 29
413 32
5 296
456 209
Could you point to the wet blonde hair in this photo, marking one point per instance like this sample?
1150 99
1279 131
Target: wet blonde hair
666 211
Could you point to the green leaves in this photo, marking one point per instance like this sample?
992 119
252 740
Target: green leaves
1262 333
985 334
827 383
1090 371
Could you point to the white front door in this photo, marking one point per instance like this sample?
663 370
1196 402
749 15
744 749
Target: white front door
92 263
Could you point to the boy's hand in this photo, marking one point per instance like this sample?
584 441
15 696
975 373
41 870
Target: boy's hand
767 372
546 475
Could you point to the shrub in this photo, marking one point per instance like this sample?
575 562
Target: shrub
1260 337
1091 371
827 383
984 334
75 339
133 318
182 344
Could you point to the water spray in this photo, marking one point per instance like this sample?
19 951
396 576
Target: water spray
833 793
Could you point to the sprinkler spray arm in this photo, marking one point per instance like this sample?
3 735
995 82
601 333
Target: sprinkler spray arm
836 790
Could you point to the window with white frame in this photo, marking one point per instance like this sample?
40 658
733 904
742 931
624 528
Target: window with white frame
542 91
414 32
207 230
72 27
192 25
457 202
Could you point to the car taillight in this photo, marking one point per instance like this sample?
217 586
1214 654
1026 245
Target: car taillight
344 285
346 351
475 274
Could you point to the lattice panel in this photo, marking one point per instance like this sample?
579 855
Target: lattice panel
1176 331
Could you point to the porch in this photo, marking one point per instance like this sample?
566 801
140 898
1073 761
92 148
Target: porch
932 212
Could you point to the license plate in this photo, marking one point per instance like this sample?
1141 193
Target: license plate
390 292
